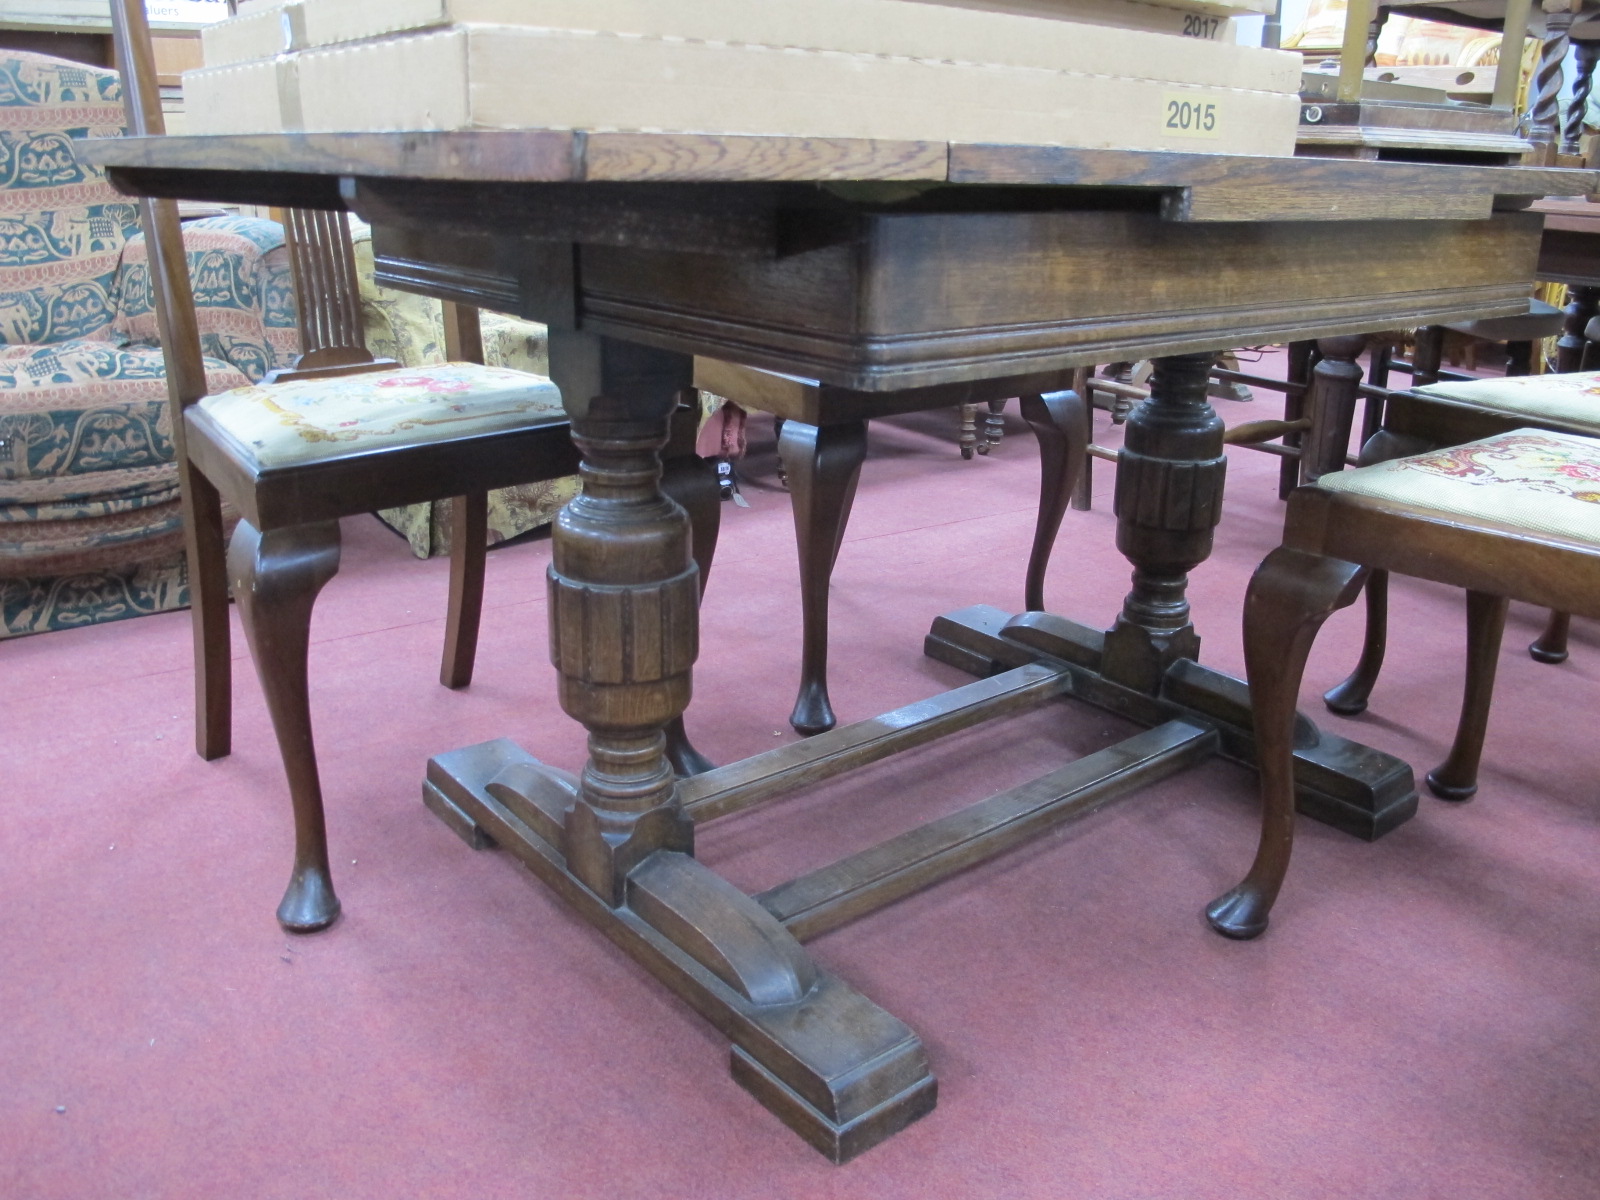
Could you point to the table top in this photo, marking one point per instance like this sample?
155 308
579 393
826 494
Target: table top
1194 187
880 267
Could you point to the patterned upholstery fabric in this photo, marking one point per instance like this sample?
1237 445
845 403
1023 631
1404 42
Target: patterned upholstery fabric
1546 483
298 422
89 517
40 602
1571 400
62 227
91 543
243 293
77 409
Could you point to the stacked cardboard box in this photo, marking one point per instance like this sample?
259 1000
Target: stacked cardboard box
902 69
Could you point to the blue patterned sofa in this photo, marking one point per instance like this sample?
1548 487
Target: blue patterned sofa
90 523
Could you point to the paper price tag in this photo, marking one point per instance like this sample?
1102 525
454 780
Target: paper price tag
1186 115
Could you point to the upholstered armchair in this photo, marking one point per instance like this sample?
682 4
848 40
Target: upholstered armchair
90 527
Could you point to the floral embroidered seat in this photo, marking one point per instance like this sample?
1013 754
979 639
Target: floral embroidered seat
294 423
1546 483
86 453
410 329
1571 400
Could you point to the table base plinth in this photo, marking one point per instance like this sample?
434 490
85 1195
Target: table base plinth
838 1070
1342 783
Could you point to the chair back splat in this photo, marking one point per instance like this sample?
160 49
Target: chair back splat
323 262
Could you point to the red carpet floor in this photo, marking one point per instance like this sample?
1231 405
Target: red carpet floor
1420 1021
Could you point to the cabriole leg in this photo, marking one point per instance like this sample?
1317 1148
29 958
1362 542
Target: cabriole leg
1350 697
1291 595
691 481
1457 777
1060 421
1551 645
823 465
276 578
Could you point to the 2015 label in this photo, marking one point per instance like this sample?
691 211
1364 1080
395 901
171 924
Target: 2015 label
1184 117
1201 27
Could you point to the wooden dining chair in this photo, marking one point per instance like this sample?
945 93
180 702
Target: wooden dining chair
1513 516
1441 414
340 435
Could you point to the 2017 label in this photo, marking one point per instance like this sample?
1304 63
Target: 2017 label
1201 27
1184 117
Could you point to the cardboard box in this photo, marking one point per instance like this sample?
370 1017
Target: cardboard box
495 77
332 22
258 97
890 69
268 28
897 28
942 29
1071 10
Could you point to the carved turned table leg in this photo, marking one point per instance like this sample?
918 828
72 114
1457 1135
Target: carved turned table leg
624 607
615 843
1168 501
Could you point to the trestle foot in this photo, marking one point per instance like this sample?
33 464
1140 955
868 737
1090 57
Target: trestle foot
838 1070
1342 783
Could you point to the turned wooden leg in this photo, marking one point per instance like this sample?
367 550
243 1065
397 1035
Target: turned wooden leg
1298 371
994 426
469 551
823 465
1574 349
1350 697
691 482
1083 490
1331 405
624 607
1170 476
205 548
1551 645
1290 596
1427 355
969 430
1457 777
1058 420
276 578
1378 376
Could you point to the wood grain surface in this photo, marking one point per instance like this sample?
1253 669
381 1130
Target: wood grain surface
1194 187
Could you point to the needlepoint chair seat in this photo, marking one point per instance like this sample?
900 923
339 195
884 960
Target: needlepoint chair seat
299 422
1570 400
1530 479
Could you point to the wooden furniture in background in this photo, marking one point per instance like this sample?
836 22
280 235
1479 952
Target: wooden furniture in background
822 442
642 251
1354 114
971 439
1519 528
